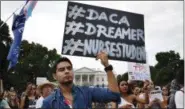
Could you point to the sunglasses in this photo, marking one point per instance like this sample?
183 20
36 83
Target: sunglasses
63 68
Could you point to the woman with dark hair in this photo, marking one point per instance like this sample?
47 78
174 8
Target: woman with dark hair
5 95
13 100
154 104
3 102
165 93
127 98
29 100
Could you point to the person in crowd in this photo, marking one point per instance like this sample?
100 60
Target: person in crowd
136 90
12 89
70 96
127 98
29 100
38 92
174 86
28 88
13 100
3 102
165 93
179 95
156 103
6 94
45 89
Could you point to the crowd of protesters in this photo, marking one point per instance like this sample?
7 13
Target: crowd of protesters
130 95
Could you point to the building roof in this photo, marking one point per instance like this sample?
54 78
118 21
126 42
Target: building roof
86 70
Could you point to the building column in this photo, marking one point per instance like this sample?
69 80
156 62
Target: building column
88 79
94 82
80 80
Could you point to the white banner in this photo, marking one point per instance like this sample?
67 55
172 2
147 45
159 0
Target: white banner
156 94
137 71
41 80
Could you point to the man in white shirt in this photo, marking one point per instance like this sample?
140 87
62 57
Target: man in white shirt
179 95
45 90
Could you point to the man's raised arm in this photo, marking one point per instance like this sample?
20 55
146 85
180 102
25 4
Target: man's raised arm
112 82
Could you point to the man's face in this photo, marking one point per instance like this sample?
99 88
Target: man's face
64 74
47 90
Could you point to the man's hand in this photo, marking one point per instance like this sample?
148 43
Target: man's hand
112 82
104 58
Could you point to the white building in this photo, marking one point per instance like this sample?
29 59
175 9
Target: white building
90 77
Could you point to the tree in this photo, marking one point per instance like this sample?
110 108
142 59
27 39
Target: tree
34 61
153 72
164 58
167 66
5 43
166 74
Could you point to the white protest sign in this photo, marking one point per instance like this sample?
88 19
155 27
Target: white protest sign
137 71
156 94
41 80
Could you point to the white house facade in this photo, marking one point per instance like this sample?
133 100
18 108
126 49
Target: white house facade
90 77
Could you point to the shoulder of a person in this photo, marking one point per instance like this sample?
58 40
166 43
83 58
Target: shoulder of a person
179 92
141 94
3 101
132 96
50 97
40 99
85 88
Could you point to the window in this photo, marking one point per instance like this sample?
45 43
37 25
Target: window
102 79
97 79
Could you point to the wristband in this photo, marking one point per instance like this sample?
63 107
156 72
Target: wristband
108 68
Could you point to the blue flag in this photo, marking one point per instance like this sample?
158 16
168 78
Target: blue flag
17 28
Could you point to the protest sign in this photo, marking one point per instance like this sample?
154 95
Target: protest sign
156 94
138 71
41 80
91 29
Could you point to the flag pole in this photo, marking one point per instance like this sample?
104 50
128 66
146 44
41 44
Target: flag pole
10 16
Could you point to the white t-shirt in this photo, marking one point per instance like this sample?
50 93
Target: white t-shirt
179 96
124 102
39 102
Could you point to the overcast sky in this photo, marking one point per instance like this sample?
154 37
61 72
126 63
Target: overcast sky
163 26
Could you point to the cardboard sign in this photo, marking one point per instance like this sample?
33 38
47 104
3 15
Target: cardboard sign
91 29
157 93
41 80
138 71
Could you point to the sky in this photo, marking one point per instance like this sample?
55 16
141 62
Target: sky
163 21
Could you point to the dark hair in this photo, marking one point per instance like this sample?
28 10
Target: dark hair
28 83
180 76
62 59
129 86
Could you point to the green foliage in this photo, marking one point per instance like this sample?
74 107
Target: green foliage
5 43
164 58
34 61
165 69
